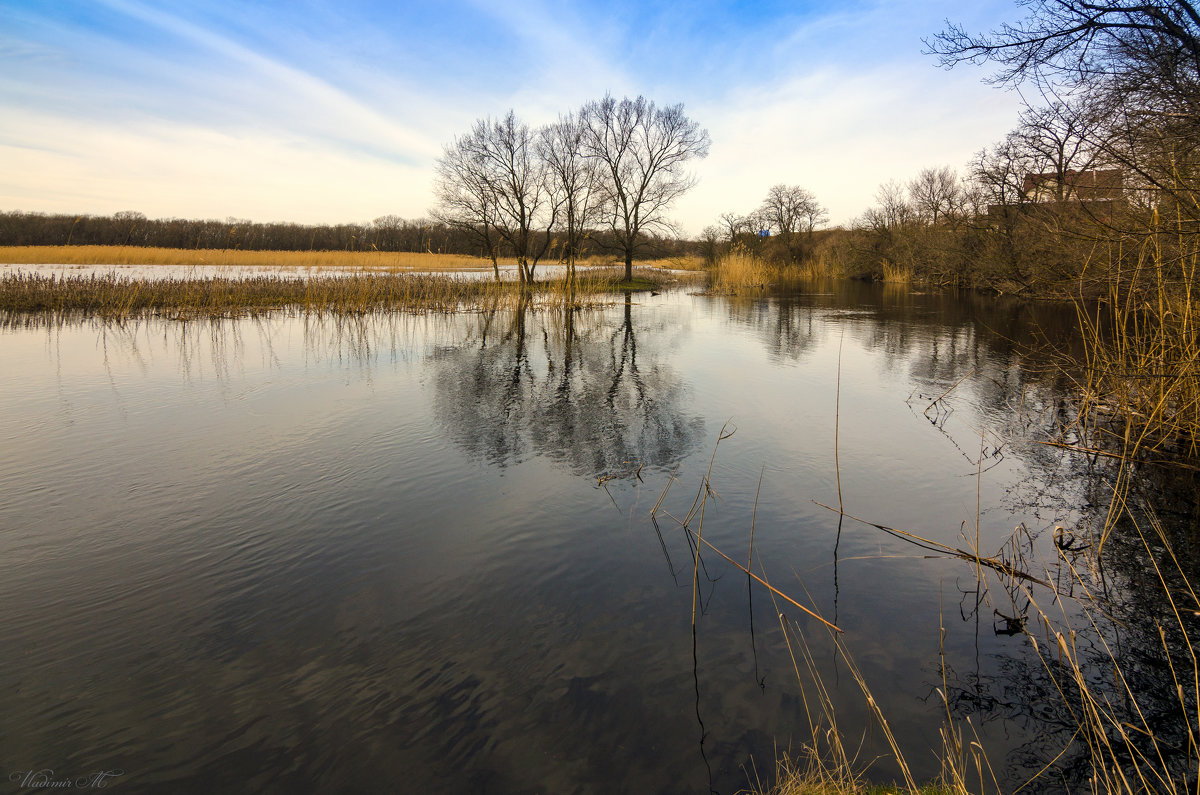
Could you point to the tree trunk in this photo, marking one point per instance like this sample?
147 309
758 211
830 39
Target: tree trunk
629 264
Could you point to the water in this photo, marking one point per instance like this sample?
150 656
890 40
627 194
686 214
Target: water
415 553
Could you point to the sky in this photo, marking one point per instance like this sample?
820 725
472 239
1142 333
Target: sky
321 112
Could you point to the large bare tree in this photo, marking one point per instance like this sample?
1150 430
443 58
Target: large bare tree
1080 42
495 183
526 206
643 151
464 191
574 183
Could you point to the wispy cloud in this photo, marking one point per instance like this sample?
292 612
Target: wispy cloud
102 168
294 94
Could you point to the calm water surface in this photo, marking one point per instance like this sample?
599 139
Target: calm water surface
415 553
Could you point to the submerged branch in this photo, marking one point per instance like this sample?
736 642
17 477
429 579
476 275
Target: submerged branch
934 546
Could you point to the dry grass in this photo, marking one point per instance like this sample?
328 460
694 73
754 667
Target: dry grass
1073 617
819 267
740 272
113 296
1142 348
314 260
375 261
896 274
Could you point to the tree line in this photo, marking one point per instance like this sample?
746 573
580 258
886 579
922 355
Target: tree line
389 233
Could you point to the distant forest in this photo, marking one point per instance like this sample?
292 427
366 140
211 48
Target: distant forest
388 233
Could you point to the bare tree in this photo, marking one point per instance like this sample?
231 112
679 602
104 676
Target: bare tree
711 238
999 173
466 197
1059 140
734 225
1082 42
1134 65
935 195
526 207
893 210
643 151
494 183
790 210
573 181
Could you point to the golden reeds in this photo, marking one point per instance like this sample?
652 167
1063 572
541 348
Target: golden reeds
896 274
114 296
238 258
740 271
1142 346
382 261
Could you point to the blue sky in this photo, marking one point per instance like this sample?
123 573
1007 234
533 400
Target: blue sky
320 112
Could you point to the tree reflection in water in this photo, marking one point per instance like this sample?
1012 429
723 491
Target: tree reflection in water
568 384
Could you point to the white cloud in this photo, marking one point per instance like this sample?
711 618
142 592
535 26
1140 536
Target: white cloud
167 169
840 135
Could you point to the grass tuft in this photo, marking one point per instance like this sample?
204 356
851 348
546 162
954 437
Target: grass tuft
740 272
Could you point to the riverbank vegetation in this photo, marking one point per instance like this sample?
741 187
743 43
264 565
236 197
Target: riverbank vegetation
114 296
386 234
341 261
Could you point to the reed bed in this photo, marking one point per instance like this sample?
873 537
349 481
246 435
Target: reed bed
896 274
741 272
1141 388
114 296
238 258
818 267
384 261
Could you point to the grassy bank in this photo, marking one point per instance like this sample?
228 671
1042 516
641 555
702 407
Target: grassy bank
238 258
375 261
113 296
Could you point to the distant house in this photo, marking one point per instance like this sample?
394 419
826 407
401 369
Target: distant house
1097 192
1079 186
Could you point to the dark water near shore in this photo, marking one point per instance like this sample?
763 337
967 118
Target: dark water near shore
415 553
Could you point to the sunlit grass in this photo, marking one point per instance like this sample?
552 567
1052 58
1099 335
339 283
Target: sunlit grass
896 274
383 261
117 296
740 271
237 258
